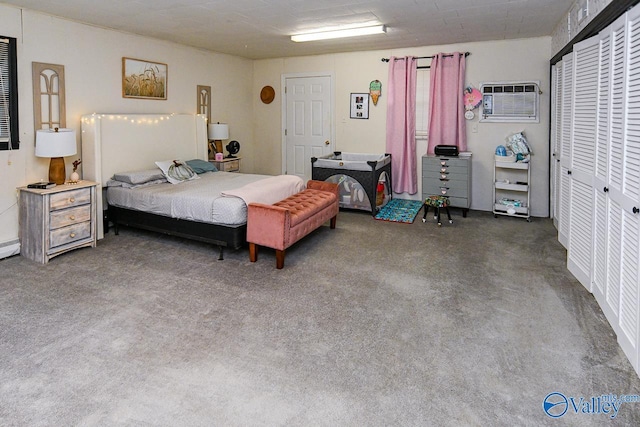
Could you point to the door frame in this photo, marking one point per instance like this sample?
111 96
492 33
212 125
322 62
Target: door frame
283 125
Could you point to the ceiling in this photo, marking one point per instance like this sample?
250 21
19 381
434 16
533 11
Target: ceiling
259 29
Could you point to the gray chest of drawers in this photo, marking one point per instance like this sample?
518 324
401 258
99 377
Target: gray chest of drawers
448 176
57 220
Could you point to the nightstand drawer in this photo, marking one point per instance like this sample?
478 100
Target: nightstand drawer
67 199
70 234
232 165
62 218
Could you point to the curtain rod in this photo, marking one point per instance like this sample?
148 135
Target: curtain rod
424 57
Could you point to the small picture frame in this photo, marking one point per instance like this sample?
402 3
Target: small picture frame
359 106
144 79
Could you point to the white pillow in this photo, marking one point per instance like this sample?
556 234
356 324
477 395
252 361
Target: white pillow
176 175
139 177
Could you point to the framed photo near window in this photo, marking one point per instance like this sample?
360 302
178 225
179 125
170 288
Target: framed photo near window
143 79
359 106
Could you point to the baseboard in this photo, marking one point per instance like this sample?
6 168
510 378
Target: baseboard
10 248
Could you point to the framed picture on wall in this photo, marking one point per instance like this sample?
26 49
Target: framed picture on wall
143 79
359 106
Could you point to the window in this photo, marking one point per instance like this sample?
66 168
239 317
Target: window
422 103
8 94
510 102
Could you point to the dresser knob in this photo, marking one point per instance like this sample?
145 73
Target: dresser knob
71 199
72 235
72 217
605 189
635 210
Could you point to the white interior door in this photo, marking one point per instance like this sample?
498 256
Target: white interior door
583 155
308 123
565 150
556 134
601 180
630 200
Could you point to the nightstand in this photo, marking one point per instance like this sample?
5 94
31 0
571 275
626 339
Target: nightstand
57 220
231 164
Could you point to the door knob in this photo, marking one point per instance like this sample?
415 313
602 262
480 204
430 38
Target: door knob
327 143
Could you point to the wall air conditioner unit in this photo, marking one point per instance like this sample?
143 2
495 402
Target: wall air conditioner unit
510 102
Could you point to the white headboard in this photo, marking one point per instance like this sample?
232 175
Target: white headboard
128 142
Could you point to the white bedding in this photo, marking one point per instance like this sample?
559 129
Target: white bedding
197 200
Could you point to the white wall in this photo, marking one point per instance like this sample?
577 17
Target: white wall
92 58
525 59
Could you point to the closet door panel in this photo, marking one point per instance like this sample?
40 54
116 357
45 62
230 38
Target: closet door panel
615 172
565 149
556 134
630 278
583 156
600 182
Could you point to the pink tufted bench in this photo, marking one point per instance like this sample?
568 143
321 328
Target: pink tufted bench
280 225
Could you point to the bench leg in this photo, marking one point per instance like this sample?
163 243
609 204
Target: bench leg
332 224
253 252
279 259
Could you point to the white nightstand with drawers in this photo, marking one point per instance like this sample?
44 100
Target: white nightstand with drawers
56 220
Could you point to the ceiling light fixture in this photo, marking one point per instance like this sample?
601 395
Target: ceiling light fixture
350 32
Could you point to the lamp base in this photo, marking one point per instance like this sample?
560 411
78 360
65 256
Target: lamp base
57 172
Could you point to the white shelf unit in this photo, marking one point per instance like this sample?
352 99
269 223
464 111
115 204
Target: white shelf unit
512 180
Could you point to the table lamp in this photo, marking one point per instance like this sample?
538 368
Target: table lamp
217 132
56 143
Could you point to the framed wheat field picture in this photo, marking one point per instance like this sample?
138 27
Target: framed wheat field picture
143 79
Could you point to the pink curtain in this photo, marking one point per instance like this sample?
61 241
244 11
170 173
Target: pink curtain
401 124
447 124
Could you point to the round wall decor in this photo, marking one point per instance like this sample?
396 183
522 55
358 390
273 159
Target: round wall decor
267 94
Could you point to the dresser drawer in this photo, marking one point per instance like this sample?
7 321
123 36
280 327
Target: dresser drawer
445 190
64 217
459 202
69 234
444 161
446 175
67 199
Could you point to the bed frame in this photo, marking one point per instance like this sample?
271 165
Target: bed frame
126 142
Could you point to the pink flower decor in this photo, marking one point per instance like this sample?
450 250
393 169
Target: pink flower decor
472 98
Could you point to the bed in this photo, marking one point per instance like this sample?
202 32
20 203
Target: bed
116 144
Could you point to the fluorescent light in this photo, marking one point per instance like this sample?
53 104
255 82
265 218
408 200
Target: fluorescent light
350 32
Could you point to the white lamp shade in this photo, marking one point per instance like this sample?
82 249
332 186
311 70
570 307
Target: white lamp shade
50 143
218 131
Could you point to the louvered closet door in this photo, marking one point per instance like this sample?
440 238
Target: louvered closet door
565 150
583 147
630 201
616 139
556 128
600 182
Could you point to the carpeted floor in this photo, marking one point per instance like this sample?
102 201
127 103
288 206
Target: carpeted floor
373 323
